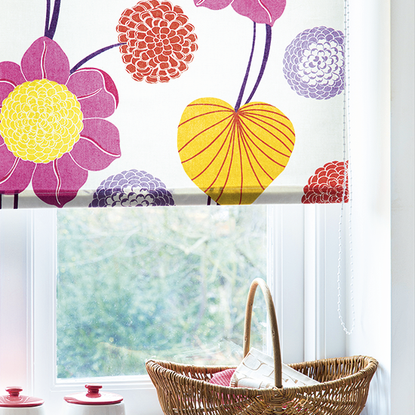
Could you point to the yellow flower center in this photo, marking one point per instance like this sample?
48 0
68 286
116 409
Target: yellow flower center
40 121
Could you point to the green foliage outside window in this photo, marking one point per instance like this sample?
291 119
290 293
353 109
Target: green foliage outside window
167 283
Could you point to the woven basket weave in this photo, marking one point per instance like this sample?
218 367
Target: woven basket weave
185 389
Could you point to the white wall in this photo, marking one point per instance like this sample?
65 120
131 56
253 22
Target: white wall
403 208
383 198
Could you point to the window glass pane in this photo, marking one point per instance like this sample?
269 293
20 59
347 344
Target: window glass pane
167 283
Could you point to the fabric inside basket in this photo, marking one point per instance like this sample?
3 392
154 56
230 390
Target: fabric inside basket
257 371
222 378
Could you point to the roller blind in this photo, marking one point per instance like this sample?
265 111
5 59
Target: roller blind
182 102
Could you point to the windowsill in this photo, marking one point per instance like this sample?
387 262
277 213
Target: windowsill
139 398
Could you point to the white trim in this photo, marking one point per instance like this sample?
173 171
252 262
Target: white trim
302 277
15 299
286 276
310 285
324 337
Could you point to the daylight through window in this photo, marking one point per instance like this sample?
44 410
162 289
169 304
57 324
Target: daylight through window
169 283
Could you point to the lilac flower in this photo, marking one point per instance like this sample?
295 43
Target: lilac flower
132 188
314 63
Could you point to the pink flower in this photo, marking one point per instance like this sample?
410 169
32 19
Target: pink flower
52 126
259 11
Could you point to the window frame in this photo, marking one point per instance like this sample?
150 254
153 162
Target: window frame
137 391
302 248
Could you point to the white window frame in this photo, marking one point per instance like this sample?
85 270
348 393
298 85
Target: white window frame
303 246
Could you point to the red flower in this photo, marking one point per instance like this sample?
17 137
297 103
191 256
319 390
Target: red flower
328 185
159 41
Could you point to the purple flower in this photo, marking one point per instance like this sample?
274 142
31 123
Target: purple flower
259 11
132 188
52 126
314 63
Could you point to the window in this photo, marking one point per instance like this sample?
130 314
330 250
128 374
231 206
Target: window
302 248
300 242
168 283
299 273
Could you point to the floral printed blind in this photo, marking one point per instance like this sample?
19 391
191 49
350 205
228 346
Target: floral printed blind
171 102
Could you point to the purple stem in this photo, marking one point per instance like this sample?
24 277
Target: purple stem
209 201
264 62
92 55
47 17
15 201
241 92
54 21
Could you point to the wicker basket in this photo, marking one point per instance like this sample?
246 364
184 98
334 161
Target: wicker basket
185 389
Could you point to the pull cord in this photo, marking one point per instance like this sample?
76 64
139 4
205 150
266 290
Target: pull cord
347 184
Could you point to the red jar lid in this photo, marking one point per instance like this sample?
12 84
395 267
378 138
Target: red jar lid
94 397
15 400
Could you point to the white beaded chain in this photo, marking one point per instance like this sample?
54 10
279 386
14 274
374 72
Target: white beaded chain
348 176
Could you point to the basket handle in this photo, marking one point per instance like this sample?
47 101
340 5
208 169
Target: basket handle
274 326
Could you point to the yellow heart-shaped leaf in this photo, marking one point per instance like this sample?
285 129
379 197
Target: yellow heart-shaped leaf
231 155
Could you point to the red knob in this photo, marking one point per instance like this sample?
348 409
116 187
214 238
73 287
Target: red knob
93 390
14 390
